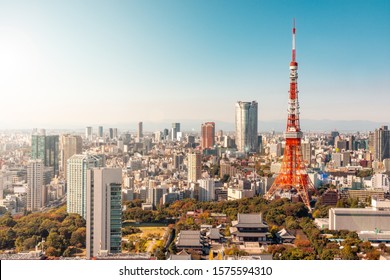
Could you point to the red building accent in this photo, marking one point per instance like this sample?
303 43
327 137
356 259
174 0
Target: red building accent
208 135
293 175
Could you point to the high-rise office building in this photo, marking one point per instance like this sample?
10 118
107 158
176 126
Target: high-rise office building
246 126
115 133
306 152
175 129
69 146
111 132
333 135
346 158
156 194
177 160
275 149
340 144
206 191
100 131
46 148
78 165
35 185
140 132
104 211
38 147
337 160
88 133
381 143
194 167
165 133
158 136
208 135
371 141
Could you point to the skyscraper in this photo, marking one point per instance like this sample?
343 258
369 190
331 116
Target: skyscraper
208 135
35 185
88 133
194 167
46 148
100 131
38 147
306 152
140 132
382 143
177 160
246 126
156 194
78 165
206 190
111 132
333 135
158 136
175 130
69 146
166 133
104 211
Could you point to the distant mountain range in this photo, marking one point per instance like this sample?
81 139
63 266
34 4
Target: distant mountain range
194 125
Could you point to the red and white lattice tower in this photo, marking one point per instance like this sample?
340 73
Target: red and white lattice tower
292 173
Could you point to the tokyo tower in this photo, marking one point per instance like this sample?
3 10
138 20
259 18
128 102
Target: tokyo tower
292 175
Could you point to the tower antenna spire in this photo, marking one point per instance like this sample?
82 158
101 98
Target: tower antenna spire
293 41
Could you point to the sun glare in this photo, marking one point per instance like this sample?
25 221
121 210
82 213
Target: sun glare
18 55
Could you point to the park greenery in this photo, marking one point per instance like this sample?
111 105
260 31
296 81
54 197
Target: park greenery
63 234
56 232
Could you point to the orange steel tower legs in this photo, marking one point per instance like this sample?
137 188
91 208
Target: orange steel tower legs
293 173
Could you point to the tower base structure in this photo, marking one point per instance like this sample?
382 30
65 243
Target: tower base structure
292 175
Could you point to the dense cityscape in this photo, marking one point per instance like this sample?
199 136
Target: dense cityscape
130 193
173 194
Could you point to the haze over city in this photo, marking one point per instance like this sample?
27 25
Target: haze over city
76 63
185 130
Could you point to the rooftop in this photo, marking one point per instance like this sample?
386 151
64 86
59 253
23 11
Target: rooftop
249 218
361 211
249 221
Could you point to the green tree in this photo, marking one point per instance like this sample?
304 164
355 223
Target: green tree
56 241
69 252
328 254
340 203
225 178
7 238
30 243
52 252
7 220
373 255
78 238
348 253
291 223
46 226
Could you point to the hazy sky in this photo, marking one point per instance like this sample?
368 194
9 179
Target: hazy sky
76 63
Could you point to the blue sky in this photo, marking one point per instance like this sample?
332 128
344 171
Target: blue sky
75 63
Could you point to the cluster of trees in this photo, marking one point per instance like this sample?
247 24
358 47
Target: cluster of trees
274 212
56 231
343 244
365 173
349 203
130 230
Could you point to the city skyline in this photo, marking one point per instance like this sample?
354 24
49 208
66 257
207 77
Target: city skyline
160 61
205 176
